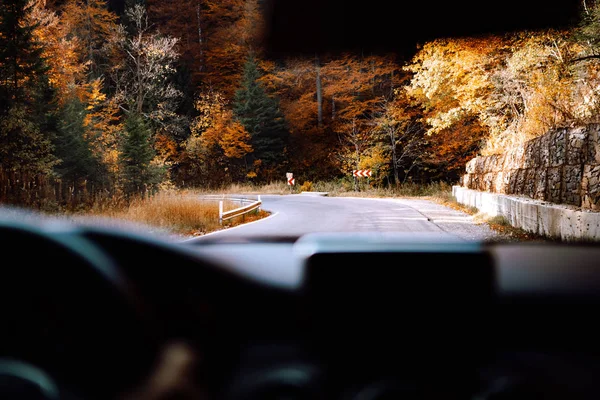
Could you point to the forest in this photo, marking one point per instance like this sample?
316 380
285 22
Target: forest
97 100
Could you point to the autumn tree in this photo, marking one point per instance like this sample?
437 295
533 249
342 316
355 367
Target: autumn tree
311 145
142 79
451 84
184 19
218 145
227 143
25 93
533 91
233 28
262 118
197 165
61 51
512 87
103 126
329 102
585 64
400 132
92 23
452 78
353 86
82 53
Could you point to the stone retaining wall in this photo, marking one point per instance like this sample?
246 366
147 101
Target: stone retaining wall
561 167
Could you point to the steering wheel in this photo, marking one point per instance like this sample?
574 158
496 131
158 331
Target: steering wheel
71 323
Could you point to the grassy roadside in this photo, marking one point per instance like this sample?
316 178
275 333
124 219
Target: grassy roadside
181 213
184 213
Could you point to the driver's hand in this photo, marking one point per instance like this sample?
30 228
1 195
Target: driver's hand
173 378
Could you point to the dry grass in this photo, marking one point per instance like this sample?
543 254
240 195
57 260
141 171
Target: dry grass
345 188
180 213
249 188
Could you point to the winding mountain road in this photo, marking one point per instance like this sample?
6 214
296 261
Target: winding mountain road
295 215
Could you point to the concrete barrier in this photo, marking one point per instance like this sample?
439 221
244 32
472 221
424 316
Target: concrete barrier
555 221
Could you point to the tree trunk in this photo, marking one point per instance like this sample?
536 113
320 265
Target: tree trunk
319 95
357 154
200 44
140 83
394 156
332 107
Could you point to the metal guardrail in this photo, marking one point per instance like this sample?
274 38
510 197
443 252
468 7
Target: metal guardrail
240 211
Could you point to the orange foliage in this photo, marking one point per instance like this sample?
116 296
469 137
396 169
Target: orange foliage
166 148
235 28
449 150
103 124
229 135
183 19
60 50
92 23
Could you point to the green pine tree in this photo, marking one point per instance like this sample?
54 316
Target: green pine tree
261 116
25 94
77 161
137 152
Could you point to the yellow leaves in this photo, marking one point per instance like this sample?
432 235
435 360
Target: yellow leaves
501 81
444 120
235 140
94 95
103 125
209 105
59 49
517 87
110 158
229 135
166 148
449 74
89 19
215 128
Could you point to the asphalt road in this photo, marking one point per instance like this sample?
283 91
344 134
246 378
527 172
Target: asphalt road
294 215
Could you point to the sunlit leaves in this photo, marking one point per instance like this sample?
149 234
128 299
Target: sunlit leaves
209 105
231 137
60 49
103 125
91 23
452 79
516 87
142 79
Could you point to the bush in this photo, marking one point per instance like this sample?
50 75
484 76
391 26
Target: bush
306 186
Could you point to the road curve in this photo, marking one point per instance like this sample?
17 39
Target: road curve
295 215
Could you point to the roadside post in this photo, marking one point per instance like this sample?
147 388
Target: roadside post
357 173
220 212
290 180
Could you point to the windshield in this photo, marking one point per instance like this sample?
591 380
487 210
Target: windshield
280 119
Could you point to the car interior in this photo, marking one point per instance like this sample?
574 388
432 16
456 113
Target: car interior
85 310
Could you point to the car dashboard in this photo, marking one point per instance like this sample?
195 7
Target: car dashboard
364 316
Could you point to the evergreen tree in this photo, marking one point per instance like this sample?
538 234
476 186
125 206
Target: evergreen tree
77 161
139 176
261 116
25 94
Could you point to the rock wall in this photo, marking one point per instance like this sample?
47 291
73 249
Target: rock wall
561 167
